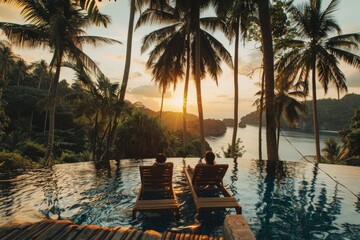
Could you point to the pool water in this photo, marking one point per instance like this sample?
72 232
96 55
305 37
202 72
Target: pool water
284 200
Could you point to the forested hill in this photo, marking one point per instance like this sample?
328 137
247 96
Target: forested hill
333 114
174 121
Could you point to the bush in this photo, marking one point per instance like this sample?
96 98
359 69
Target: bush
239 149
353 161
33 150
14 161
69 157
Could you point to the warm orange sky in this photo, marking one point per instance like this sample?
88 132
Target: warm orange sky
217 100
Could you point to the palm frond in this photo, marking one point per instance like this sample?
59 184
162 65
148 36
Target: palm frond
158 35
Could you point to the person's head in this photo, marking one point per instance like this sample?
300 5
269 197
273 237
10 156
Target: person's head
209 158
160 158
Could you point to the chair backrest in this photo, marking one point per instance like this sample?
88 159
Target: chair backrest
205 174
158 174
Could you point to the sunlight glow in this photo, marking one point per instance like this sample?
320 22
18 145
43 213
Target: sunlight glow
176 103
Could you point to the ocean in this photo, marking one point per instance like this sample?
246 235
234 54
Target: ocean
299 142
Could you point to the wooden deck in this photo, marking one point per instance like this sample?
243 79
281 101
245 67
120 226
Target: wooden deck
67 230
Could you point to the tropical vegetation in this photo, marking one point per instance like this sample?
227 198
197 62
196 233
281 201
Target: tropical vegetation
314 53
94 120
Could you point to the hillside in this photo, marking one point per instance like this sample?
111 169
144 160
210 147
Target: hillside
173 120
333 114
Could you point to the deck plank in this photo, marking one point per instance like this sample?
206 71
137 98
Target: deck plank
66 230
102 234
112 233
88 232
54 229
29 231
73 234
120 233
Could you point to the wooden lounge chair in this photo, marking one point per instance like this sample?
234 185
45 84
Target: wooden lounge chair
207 188
156 191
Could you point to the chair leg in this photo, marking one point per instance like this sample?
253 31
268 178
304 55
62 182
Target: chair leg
238 210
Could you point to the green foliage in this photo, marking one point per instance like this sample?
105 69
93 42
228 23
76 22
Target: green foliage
331 151
239 149
142 136
333 114
352 142
69 157
33 150
4 119
353 161
351 139
14 161
193 149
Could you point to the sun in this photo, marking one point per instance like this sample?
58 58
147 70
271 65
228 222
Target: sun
176 103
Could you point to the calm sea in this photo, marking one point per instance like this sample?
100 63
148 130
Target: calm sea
303 142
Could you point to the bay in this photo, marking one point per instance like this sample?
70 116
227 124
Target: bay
293 144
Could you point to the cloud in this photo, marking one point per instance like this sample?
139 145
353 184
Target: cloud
134 75
353 79
148 91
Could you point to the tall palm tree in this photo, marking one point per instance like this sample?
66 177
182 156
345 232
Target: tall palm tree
175 49
60 26
135 5
236 16
316 53
268 58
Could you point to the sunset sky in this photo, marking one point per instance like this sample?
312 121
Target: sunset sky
217 100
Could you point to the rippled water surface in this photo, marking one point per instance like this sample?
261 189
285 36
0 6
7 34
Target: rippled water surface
289 200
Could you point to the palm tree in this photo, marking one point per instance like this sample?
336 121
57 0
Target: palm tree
58 25
40 71
317 53
268 58
7 61
21 68
97 105
236 15
176 49
135 5
287 105
332 151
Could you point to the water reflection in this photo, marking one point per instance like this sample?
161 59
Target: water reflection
280 200
288 209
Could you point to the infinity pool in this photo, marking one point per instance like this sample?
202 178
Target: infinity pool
287 200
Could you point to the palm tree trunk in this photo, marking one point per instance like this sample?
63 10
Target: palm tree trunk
128 52
261 113
264 14
278 136
31 121
162 101
106 161
236 91
124 83
315 116
197 78
95 137
45 121
52 112
186 88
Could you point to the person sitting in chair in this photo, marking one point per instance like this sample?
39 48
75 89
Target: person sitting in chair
209 160
161 159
